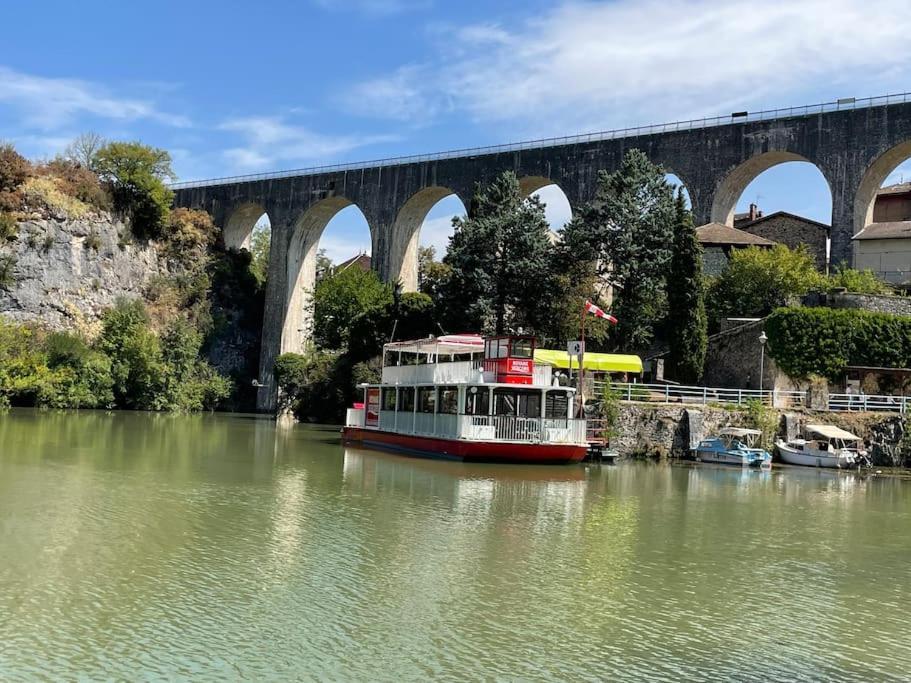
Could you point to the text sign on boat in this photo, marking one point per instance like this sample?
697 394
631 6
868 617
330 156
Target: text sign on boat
519 366
575 348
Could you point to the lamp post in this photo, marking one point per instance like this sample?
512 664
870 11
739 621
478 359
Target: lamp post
762 340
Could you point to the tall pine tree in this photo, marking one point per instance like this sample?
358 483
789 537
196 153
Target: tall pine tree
686 319
627 230
500 257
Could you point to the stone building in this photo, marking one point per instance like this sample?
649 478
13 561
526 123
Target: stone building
718 241
792 231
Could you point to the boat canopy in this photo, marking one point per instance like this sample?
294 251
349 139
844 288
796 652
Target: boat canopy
602 362
831 432
739 431
449 344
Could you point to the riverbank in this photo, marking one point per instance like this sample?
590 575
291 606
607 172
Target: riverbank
662 431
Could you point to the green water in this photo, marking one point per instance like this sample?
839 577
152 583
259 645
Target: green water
218 547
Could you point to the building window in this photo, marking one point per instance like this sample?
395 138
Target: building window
427 399
449 400
406 400
388 399
477 401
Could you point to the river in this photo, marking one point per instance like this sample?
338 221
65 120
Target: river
137 546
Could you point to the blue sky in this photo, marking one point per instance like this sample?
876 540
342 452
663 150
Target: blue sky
231 87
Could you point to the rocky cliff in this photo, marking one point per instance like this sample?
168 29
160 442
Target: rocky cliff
67 272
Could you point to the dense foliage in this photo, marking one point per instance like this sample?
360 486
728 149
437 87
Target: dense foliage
137 174
260 244
757 281
857 281
500 258
824 341
319 385
408 316
687 327
339 298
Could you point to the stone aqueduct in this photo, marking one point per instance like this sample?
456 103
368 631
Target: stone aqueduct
854 144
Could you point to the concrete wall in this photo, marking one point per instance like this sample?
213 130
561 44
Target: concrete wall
793 231
889 259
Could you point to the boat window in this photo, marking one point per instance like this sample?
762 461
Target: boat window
521 348
477 401
502 348
406 400
449 400
389 398
520 403
427 399
556 404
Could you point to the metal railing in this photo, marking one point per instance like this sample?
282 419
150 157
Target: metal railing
635 131
677 393
863 403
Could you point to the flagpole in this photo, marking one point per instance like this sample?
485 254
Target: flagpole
582 360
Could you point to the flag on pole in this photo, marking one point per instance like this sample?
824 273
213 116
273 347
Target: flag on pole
599 312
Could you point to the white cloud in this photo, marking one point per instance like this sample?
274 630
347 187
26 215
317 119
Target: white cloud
53 103
268 140
584 64
400 96
339 248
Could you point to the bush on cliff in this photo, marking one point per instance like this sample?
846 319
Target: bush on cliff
824 341
14 169
137 175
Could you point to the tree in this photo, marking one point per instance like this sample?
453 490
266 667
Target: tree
500 258
432 274
626 230
686 319
757 281
83 150
324 265
339 298
260 245
137 175
408 317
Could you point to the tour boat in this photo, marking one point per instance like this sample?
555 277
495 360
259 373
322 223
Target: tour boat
469 398
734 446
823 446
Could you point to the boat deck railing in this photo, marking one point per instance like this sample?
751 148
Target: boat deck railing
479 427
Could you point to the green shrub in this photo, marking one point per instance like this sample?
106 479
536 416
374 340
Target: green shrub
858 281
765 419
9 226
187 231
318 385
136 174
824 341
65 348
756 281
14 169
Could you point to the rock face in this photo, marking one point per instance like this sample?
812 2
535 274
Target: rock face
68 271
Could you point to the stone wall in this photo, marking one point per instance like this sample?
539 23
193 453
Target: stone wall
661 431
897 305
732 360
714 261
72 270
793 231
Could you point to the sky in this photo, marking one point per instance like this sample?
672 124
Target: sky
231 88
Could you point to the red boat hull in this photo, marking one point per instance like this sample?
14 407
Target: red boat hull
467 451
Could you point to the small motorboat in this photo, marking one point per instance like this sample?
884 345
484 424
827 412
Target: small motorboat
734 446
824 446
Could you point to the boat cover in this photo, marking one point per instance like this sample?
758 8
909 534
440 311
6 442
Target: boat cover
739 431
832 432
603 362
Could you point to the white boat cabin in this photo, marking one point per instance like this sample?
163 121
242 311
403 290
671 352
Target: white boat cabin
469 387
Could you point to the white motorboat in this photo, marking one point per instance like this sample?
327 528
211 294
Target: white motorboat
823 446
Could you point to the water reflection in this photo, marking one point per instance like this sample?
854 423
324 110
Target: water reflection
140 546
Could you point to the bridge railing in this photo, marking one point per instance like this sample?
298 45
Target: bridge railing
692 124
